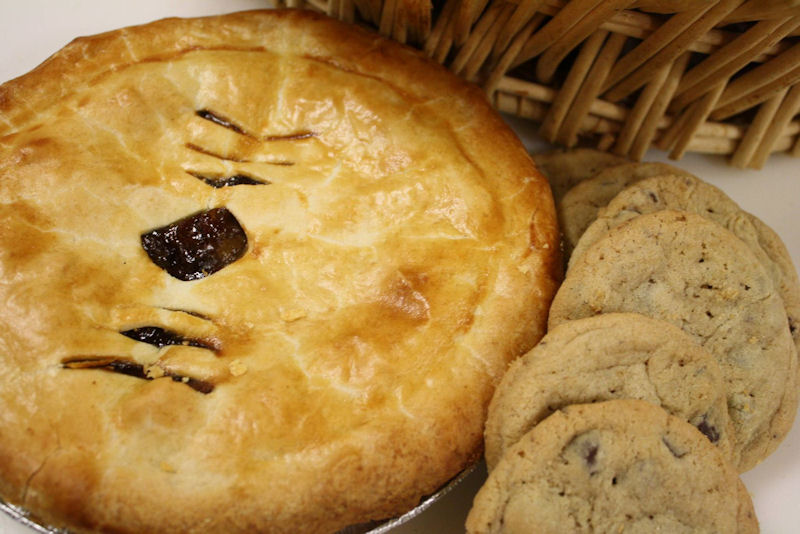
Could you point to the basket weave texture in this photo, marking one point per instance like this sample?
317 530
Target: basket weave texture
708 76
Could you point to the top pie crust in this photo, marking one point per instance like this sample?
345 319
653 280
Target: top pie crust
400 251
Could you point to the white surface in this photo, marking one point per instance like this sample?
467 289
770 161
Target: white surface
34 29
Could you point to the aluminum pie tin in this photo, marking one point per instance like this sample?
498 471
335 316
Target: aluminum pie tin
22 516
382 527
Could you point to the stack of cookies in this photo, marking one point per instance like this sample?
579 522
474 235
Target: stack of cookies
670 365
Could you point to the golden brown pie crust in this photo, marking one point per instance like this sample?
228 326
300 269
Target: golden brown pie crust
401 250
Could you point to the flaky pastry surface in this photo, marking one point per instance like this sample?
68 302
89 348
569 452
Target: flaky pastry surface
400 250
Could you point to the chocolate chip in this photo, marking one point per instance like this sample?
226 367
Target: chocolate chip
586 448
709 430
673 449
590 455
196 246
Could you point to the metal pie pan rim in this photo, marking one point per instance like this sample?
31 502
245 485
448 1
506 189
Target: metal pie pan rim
23 517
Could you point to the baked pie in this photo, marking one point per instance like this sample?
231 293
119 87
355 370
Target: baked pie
259 272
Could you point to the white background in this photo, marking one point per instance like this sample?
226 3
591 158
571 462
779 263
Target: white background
31 30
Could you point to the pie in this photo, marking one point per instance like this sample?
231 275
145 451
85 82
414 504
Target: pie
260 273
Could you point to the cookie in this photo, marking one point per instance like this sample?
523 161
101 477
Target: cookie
613 466
610 356
565 168
695 274
689 193
580 205
782 270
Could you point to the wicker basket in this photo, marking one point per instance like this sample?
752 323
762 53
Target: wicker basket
709 76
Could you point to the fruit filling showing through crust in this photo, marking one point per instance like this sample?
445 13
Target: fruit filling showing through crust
160 337
196 246
131 368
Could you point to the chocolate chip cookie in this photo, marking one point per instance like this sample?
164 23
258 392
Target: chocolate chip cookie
695 274
581 204
689 193
614 466
565 168
610 356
